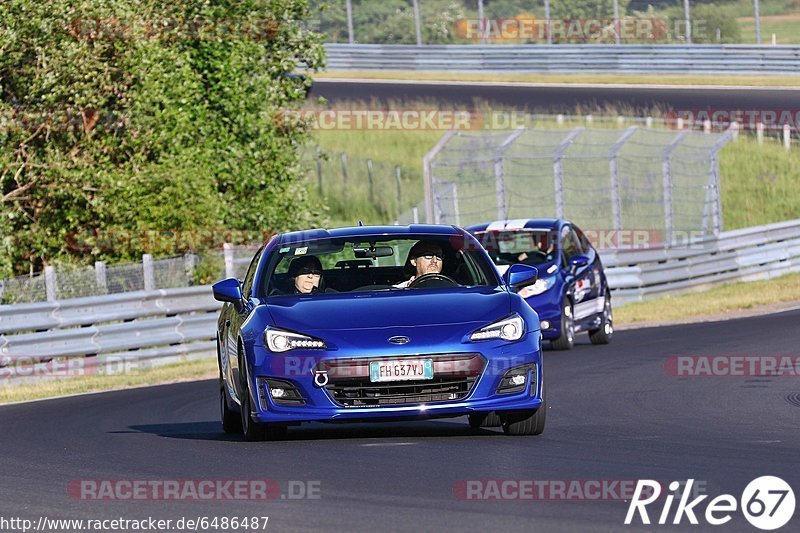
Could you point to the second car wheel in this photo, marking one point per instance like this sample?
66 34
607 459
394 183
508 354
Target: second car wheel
567 338
603 334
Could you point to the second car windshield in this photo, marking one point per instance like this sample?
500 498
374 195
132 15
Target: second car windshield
531 247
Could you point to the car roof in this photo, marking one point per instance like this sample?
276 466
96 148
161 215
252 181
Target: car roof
516 224
413 230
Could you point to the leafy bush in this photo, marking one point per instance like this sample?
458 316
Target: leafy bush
121 114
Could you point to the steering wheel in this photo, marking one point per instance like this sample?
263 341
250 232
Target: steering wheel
431 277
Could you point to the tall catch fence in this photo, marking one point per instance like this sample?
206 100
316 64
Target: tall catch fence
664 182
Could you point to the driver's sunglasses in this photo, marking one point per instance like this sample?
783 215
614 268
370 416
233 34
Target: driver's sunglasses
429 257
306 271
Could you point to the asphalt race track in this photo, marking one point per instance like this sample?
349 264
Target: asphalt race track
615 414
564 99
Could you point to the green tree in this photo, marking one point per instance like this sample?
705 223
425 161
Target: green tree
143 114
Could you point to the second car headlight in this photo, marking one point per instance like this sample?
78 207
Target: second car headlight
541 285
510 329
279 340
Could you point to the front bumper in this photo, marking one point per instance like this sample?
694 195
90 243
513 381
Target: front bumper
548 306
319 404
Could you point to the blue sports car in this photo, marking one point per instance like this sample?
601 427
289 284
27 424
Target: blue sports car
571 294
377 324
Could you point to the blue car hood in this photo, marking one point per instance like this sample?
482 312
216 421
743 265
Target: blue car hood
390 310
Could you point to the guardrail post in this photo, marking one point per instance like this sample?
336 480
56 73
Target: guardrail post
648 122
787 136
613 163
760 132
499 173
227 251
101 279
50 284
558 169
666 175
147 269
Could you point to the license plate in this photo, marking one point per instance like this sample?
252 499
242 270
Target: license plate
400 370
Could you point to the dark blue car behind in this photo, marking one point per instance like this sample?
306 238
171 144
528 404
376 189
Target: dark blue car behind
571 294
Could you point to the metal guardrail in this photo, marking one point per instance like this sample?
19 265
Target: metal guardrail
121 331
641 59
106 334
741 255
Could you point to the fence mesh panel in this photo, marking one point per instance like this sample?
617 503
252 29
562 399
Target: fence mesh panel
604 179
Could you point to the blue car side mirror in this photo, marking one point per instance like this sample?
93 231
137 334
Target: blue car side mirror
518 276
228 290
578 261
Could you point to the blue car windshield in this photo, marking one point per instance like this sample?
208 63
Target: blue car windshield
526 246
379 263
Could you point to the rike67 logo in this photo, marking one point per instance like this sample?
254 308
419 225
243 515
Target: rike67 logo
767 503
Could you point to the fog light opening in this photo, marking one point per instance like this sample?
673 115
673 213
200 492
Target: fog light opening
545 324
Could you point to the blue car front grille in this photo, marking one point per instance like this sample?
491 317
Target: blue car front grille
352 387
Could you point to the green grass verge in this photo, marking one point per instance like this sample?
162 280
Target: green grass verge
173 373
719 300
785 27
632 79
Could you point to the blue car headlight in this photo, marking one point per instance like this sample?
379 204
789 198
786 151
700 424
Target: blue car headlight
279 340
511 328
541 285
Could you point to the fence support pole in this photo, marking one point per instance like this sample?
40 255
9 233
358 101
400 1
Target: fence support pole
713 205
369 178
558 169
350 37
319 171
227 252
613 163
50 284
666 182
417 23
499 173
189 266
427 174
787 136
398 176
344 171
147 269
101 279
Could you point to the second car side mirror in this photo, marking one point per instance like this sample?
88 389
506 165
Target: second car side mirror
577 261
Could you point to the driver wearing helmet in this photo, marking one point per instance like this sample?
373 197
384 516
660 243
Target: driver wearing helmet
425 257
